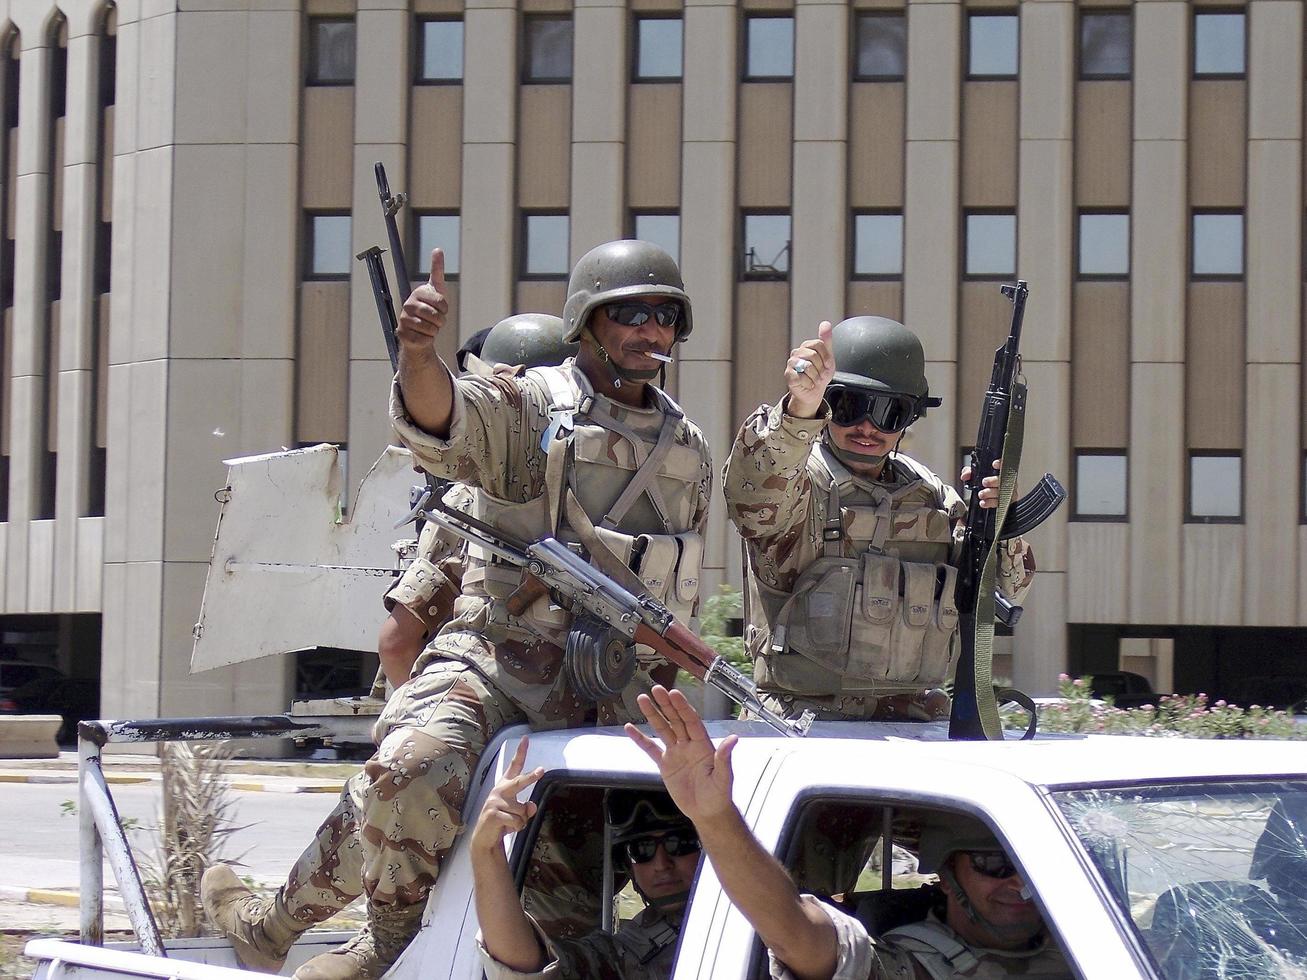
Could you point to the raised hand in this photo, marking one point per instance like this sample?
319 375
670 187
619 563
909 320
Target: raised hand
697 775
502 813
425 310
988 486
808 371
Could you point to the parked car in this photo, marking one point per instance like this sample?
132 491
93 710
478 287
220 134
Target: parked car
1147 857
1126 689
18 673
73 698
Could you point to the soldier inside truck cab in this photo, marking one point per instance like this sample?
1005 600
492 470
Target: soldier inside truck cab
986 925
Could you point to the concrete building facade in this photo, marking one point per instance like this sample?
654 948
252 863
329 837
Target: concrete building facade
189 180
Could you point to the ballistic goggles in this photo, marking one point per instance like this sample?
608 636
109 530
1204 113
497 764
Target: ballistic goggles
887 411
634 313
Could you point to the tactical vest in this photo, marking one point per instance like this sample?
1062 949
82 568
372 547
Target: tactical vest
616 491
875 613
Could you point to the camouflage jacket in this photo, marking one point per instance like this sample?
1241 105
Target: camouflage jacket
429 586
771 499
643 948
898 956
494 444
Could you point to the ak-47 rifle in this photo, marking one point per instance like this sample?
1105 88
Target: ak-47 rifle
1002 425
634 618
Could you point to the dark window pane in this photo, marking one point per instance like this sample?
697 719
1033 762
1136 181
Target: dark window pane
769 46
546 245
441 55
992 46
1105 45
548 49
1218 44
767 246
882 46
331 52
658 47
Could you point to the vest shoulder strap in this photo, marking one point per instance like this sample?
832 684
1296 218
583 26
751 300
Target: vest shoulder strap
955 957
564 395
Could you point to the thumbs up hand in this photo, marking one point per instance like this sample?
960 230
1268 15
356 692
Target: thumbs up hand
425 310
808 371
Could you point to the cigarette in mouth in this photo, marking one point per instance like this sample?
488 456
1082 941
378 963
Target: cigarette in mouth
659 357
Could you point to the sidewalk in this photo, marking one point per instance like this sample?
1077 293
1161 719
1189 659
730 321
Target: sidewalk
246 775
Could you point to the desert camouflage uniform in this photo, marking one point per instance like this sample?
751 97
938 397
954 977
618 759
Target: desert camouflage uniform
900 956
487 669
643 948
780 511
429 586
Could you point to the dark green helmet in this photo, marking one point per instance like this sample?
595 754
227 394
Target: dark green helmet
616 270
529 339
880 354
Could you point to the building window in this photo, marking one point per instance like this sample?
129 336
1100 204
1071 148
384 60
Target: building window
1215 487
1219 45
548 54
1106 44
664 230
992 50
331 51
544 246
1104 245
1218 245
878 245
991 245
766 248
327 246
658 43
768 48
440 51
881 54
1101 483
436 231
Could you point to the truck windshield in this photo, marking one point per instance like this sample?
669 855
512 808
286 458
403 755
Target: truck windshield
1213 875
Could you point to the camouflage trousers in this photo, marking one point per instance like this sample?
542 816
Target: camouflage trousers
397 818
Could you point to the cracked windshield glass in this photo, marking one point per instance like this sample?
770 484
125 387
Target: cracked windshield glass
1213 875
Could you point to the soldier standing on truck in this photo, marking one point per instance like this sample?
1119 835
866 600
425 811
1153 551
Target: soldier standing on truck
593 453
848 541
328 875
987 927
653 842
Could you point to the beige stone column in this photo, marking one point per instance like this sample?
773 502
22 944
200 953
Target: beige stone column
27 398
1159 231
931 213
1273 225
599 90
382 87
1044 237
820 220
485 290
708 231
76 329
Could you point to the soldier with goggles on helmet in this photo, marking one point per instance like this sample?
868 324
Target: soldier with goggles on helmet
850 544
651 841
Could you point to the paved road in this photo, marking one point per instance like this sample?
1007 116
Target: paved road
38 842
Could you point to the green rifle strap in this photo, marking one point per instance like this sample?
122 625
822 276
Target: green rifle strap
986 703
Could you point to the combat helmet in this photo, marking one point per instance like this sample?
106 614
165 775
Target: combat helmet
880 354
528 339
943 835
634 813
616 270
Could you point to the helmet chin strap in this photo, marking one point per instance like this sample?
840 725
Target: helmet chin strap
964 902
619 373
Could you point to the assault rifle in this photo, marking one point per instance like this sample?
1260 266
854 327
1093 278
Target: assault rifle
1002 425
630 618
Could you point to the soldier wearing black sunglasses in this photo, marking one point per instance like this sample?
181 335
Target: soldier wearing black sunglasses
987 925
651 841
851 544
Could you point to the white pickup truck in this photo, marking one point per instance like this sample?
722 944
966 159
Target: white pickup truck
1149 857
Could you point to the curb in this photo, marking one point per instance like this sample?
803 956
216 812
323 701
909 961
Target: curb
67 897
124 779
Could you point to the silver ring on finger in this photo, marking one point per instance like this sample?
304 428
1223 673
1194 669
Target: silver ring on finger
801 365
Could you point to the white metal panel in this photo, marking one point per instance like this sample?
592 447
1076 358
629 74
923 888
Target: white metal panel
288 571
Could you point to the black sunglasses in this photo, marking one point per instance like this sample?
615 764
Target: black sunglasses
991 864
634 313
886 411
677 844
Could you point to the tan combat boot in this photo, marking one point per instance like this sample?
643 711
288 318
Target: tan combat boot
260 930
389 930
